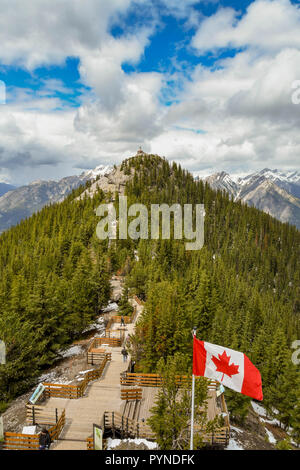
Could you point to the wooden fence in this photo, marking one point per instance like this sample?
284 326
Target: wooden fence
18 441
115 334
117 319
126 427
131 394
155 380
76 391
41 415
138 301
219 437
90 443
130 428
109 332
96 357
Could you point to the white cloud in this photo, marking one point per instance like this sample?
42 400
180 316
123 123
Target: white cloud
242 104
40 33
269 25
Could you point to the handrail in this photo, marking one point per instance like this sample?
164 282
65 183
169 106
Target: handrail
76 391
18 441
126 426
155 380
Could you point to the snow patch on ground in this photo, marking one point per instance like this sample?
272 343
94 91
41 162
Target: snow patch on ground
238 430
111 307
271 438
85 371
72 351
51 377
98 325
259 409
234 445
263 414
275 422
113 443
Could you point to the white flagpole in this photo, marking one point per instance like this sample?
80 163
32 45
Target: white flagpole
193 402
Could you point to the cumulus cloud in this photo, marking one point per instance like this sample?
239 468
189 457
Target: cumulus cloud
41 33
236 115
268 26
243 103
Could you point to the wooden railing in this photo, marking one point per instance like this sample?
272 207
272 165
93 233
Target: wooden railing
41 415
131 394
76 391
225 410
57 429
109 332
117 319
138 301
94 357
90 443
61 391
219 437
18 441
126 427
115 334
155 380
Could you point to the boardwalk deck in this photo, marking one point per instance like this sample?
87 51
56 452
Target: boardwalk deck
101 395
104 395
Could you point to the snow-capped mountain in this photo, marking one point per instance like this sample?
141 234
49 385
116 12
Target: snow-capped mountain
272 191
223 181
24 201
290 181
98 171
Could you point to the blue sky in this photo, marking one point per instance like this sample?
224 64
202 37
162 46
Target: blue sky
170 41
206 83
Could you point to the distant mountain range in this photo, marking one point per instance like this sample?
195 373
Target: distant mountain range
24 201
4 188
271 191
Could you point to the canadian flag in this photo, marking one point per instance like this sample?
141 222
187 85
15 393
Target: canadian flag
232 368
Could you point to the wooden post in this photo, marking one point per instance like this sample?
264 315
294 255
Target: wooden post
56 415
33 416
113 424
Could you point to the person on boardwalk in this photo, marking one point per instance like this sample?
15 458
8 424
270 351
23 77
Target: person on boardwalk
122 321
125 354
44 440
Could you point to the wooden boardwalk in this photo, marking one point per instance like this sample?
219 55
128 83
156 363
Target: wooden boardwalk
104 395
101 395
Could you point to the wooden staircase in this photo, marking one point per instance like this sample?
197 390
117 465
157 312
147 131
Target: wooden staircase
132 410
127 428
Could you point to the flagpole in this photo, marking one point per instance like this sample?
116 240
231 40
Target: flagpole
193 401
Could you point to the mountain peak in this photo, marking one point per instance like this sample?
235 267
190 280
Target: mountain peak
273 191
100 170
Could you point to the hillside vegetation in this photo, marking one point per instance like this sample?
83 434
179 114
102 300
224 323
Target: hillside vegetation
242 290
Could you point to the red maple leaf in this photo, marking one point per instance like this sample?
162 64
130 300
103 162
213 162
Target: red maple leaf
223 365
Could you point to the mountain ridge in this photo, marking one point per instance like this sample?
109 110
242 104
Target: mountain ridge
271 191
22 202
